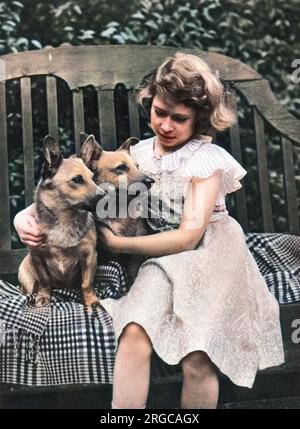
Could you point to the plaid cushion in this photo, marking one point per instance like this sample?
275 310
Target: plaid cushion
278 259
63 343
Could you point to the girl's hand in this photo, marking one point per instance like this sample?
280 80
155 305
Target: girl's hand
28 229
107 239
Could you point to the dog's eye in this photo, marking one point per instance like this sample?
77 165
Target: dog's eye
78 179
122 168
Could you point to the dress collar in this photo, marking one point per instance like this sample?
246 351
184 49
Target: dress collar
148 161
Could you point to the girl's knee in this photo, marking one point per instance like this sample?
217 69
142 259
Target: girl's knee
135 340
197 365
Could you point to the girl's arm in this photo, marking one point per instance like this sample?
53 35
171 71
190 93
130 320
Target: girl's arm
198 208
27 227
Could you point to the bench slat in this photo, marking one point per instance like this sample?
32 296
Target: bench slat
258 93
5 240
263 176
290 185
78 115
26 107
107 119
240 196
52 107
10 260
134 120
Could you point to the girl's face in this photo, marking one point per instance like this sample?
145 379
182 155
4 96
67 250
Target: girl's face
172 124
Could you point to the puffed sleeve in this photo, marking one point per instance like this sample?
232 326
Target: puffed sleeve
210 158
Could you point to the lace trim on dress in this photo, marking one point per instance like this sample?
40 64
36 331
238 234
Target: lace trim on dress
144 157
197 158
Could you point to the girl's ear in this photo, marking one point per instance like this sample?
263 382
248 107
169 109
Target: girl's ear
132 141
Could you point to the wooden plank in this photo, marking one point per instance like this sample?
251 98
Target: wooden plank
240 196
107 119
26 107
263 175
105 66
78 116
52 114
5 240
134 119
290 185
10 260
258 93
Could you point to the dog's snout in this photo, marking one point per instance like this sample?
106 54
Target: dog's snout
100 192
148 181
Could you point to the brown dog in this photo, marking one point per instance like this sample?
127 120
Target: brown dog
65 198
108 168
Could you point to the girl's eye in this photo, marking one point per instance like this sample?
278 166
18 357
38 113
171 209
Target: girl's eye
160 114
181 120
78 180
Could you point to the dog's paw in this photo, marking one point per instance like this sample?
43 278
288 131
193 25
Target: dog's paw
97 304
40 300
91 302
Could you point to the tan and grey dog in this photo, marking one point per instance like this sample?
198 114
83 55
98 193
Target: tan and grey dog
109 167
66 196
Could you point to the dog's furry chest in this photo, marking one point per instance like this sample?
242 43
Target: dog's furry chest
62 265
69 235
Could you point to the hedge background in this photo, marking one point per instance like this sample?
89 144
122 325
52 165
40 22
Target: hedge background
262 33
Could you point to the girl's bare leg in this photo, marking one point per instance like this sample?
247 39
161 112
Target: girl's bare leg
200 383
132 368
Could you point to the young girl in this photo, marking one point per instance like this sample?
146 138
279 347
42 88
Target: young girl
199 300
207 308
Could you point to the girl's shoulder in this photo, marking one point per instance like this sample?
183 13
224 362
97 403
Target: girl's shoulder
210 157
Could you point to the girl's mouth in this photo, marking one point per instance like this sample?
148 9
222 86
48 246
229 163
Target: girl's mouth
166 137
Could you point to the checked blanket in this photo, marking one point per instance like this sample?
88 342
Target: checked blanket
63 343
278 260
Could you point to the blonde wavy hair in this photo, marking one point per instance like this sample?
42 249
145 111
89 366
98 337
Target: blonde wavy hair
185 78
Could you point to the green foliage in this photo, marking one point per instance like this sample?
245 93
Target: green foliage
262 33
35 24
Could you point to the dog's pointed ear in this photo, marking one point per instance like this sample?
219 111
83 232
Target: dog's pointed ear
132 141
83 137
90 149
52 157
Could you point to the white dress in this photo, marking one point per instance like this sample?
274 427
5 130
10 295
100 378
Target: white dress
213 298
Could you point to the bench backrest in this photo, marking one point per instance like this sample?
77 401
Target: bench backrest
103 67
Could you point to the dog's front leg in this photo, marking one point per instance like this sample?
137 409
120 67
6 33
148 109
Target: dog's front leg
88 262
27 276
43 295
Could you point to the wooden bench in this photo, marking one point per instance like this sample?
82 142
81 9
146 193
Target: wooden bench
86 77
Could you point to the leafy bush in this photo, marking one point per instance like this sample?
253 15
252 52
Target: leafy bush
261 33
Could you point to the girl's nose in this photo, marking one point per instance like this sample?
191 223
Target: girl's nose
167 125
